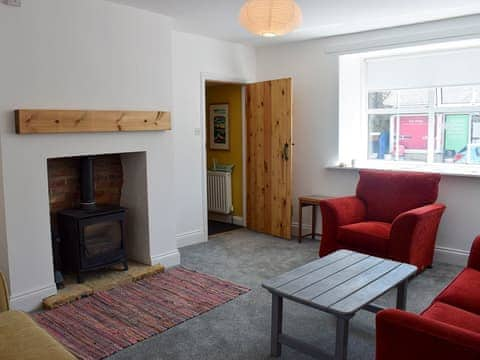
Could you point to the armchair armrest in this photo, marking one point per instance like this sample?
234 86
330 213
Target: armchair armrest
4 306
474 258
344 210
337 212
402 335
413 234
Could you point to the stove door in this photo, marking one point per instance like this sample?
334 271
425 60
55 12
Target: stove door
102 241
102 238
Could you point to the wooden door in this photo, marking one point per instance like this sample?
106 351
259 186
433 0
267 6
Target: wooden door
269 157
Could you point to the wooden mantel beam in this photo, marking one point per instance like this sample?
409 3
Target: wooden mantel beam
88 121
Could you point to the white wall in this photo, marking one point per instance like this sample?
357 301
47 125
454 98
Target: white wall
86 54
196 58
314 68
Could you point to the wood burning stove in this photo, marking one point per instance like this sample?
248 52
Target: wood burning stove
92 236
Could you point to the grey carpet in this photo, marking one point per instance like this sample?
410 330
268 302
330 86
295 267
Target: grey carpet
240 329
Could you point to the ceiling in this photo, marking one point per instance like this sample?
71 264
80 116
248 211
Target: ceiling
219 18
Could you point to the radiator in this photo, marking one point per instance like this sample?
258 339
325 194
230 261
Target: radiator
219 189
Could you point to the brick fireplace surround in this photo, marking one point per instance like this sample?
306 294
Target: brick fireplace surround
64 181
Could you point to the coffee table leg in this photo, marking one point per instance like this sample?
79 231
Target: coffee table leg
277 318
402 295
341 344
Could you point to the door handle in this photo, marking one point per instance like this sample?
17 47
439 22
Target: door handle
285 152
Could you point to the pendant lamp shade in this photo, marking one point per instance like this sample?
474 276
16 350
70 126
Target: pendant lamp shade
270 17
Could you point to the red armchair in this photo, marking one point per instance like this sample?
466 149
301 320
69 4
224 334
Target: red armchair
448 329
393 215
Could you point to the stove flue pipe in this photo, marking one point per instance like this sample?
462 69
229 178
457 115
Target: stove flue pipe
87 183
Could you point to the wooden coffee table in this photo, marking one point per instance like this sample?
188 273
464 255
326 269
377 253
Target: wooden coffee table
340 283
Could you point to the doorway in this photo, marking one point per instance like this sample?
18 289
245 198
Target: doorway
266 155
224 115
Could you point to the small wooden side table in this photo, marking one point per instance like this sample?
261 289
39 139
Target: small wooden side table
313 201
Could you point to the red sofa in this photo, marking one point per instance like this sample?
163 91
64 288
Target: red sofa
448 329
393 215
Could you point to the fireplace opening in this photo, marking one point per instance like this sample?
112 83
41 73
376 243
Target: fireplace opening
87 235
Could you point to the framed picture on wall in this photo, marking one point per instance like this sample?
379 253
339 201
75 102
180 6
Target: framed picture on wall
219 127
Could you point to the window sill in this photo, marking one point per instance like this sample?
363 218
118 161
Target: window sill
474 173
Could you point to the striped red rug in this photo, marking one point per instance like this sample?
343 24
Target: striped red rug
109 321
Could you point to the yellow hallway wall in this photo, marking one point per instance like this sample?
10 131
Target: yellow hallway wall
231 95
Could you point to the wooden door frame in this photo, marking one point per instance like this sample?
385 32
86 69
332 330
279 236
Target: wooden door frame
204 78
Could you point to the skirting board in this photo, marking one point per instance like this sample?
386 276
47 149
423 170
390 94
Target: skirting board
190 238
31 300
451 256
168 259
238 220
226 218
306 228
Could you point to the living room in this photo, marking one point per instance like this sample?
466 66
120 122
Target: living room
342 89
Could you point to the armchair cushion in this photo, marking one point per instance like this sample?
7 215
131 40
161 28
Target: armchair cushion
453 315
370 237
463 292
387 194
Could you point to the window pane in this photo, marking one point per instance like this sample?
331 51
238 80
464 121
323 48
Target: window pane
379 137
413 97
413 137
458 138
381 99
414 131
457 95
398 137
